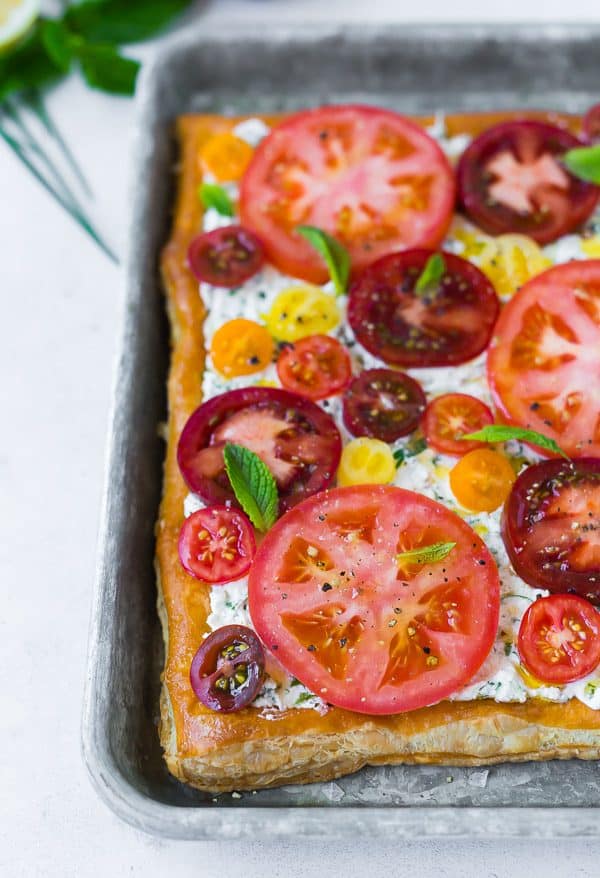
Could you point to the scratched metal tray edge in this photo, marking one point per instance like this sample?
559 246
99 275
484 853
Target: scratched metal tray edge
123 619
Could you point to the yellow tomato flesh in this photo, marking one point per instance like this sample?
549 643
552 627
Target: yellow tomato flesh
302 310
241 347
366 462
481 480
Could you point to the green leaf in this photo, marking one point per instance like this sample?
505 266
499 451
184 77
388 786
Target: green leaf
122 21
335 255
28 65
253 485
431 274
303 697
213 195
426 554
56 40
584 162
106 70
504 433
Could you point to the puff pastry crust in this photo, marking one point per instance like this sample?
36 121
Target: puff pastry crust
259 748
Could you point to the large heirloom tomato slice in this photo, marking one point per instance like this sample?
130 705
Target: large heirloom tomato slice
298 441
359 626
449 323
544 361
372 178
510 179
551 526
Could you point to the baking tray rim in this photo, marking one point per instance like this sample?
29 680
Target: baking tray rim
209 821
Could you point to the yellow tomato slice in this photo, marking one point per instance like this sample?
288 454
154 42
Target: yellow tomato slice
482 479
366 462
510 261
302 310
241 347
226 157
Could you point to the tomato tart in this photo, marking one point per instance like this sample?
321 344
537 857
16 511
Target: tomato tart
379 537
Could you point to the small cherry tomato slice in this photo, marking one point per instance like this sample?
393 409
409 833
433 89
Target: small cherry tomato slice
226 157
559 639
225 257
241 347
591 125
551 526
217 544
510 179
366 461
228 670
383 404
481 480
327 594
298 441
371 178
451 416
449 324
302 310
316 367
544 360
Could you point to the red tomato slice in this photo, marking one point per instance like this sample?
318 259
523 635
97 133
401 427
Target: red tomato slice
357 627
383 404
559 639
298 441
217 544
510 179
591 124
225 257
372 178
544 361
316 367
551 526
449 324
451 416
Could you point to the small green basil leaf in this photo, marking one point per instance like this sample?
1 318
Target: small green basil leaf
426 554
213 195
122 21
431 274
504 433
584 162
105 69
335 255
55 38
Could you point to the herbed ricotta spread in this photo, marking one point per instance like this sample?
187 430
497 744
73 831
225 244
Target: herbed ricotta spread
501 677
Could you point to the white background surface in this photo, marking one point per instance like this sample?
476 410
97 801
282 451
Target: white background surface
60 303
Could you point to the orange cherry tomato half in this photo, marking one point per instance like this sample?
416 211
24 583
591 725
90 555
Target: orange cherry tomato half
482 479
559 639
316 367
329 596
226 157
241 347
449 417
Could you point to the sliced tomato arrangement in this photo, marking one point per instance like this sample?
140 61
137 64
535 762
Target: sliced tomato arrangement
298 441
216 544
317 366
591 124
559 639
228 670
511 179
225 257
443 326
544 361
451 416
551 526
360 627
383 404
370 177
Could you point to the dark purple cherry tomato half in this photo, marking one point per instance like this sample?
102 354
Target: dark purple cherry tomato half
217 544
591 125
511 179
449 323
383 404
225 257
228 670
551 526
297 440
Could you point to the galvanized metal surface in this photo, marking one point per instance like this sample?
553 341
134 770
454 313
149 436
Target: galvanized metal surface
412 69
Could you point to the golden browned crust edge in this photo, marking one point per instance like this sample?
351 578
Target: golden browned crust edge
254 749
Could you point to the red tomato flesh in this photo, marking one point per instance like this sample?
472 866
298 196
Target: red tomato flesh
225 257
359 628
370 177
451 416
559 639
544 361
317 366
216 544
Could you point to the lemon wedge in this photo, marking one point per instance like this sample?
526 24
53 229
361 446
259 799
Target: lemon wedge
16 17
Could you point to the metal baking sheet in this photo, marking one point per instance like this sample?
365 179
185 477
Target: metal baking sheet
412 69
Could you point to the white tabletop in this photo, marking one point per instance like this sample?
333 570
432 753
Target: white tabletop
60 297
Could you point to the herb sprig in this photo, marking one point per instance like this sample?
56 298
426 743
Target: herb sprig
433 272
425 554
584 162
503 433
335 255
253 484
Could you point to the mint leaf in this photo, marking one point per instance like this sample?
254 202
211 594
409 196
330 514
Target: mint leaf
584 162
335 255
213 195
504 433
55 38
105 69
28 65
122 21
253 485
432 274
426 554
